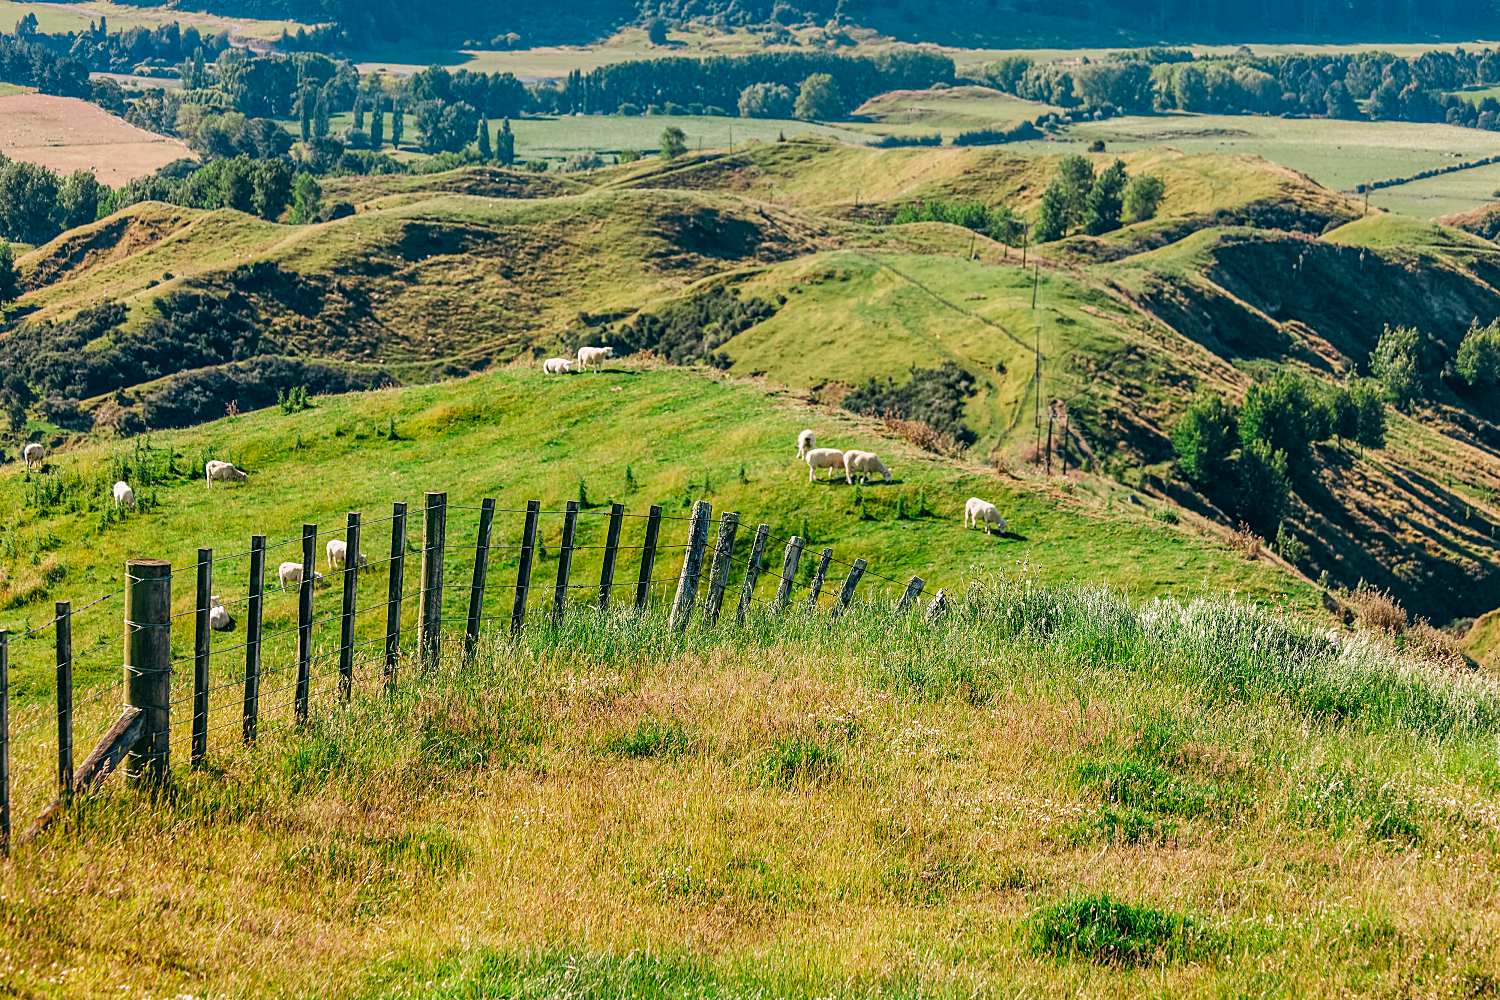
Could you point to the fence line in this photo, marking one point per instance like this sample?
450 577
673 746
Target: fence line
713 556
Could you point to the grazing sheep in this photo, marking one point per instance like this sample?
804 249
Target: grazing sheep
33 454
218 616
337 552
588 354
557 366
124 495
823 458
866 464
977 512
805 442
223 472
290 573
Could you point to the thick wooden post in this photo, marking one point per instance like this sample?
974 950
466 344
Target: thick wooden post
481 573
788 571
937 607
718 574
564 562
611 552
395 594
434 538
63 633
303 690
752 569
148 667
850 582
819 577
4 742
253 610
692 567
202 644
523 570
346 618
913 591
648 558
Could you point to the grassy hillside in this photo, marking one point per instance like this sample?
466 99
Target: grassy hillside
517 434
1050 790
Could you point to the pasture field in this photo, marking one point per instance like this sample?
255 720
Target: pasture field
60 18
1051 791
67 134
948 111
1447 194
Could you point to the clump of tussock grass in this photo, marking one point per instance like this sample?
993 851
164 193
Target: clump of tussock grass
1107 931
1342 800
652 737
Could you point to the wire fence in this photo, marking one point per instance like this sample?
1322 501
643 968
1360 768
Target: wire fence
244 644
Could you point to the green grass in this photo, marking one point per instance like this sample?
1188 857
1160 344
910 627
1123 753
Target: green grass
863 807
947 111
1447 194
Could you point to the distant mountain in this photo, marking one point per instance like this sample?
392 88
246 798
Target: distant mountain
987 22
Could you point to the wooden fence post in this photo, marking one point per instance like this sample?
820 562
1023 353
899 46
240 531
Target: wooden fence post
481 574
564 562
937 607
430 620
148 667
202 645
692 567
718 574
648 558
788 572
850 582
395 595
752 570
913 591
351 597
611 551
523 569
253 610
303 690
4 742
819 577
63 633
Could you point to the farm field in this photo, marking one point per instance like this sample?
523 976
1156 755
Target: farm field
60 18
1339 155
948 111
68 134
1434 197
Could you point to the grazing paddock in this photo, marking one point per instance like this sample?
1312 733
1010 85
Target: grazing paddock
60 18
68 134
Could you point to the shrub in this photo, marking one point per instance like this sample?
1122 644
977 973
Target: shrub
1203 438
1402 363
1143 195
933 396
819 99
1286 414
1102 929
1478 361
766 100
1262 488
691 331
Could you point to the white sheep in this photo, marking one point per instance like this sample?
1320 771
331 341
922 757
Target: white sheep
337 551
981 512
290 574
590 354
865 464
823 458
805 442
218 616
124 495
33 454
557 366
223 472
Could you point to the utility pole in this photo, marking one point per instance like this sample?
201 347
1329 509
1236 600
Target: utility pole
1065 443
1025 242
1051 413
1037 377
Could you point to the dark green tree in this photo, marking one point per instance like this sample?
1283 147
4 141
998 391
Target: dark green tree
10 281
1370 407
1399 364
1284 413
377 126
1203 438
1052 216
1262 487
1075 180
1478 361
320 115
272 188
1105 202
307 199
486 151
819 99
28 202
505 145
398 125
1143 196
78 198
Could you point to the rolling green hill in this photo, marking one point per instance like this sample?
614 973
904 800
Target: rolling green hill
1248 267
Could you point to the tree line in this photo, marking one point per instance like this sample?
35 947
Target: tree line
1374 85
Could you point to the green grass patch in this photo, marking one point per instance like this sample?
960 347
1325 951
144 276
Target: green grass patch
1107 931
667 738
